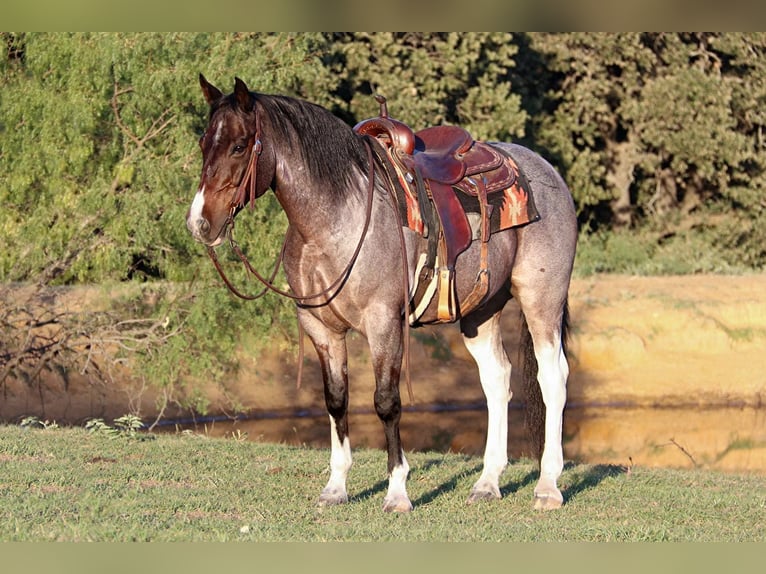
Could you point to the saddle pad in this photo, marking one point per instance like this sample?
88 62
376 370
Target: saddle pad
513 206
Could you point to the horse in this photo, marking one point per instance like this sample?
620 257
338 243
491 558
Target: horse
345 248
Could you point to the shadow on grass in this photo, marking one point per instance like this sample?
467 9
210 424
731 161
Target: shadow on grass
588 477
444 487
514 486
377 488
449 485
581 479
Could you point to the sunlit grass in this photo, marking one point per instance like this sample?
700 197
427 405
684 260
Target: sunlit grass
74 485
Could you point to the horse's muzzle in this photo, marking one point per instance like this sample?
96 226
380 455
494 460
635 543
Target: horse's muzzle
200 230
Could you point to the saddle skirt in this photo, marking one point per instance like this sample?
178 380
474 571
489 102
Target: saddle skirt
513 205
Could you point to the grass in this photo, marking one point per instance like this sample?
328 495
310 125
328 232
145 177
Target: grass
69 484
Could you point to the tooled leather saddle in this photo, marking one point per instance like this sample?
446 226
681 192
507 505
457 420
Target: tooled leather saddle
432 166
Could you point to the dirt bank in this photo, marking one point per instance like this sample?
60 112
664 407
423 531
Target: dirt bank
670 341
675 341
686 340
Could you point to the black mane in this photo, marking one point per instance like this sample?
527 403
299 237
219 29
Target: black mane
327 144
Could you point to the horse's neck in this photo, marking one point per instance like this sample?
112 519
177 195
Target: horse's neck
312 209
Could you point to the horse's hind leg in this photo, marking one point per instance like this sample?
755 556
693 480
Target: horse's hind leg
331 350
545 320
483 339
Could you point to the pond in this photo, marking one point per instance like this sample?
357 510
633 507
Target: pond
731 438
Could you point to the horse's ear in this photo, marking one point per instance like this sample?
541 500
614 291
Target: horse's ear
212 94
244 97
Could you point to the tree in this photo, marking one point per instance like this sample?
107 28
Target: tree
430 79
660 130
98 163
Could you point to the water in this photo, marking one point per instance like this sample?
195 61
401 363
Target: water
730 438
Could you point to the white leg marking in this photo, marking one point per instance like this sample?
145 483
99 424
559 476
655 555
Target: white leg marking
495 374
340 464
553 371
396 499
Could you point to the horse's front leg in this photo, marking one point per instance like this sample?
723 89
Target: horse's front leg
331 350
386 349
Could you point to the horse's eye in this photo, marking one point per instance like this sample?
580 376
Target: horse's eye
238 149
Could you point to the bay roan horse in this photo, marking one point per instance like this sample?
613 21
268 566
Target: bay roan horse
345 255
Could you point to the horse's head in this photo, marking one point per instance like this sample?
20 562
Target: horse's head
230 162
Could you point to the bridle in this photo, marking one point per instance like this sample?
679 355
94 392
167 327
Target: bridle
249 180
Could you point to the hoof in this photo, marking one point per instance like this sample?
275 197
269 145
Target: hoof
332 498
401 505
548 501
482 495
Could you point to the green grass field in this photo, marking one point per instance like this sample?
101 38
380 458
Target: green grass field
69 484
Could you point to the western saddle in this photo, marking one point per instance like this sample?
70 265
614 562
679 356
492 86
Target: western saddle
430 165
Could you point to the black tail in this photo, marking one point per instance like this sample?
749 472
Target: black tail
534 414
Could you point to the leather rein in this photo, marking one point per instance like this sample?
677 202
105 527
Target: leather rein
268 283
249 181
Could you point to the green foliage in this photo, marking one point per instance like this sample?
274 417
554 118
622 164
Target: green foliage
659 128
99 426
33 422
430 79
612 253
646 253
125 426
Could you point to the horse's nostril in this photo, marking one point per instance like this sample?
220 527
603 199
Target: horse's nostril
199 226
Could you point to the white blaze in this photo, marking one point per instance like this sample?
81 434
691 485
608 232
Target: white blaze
218 130
195 213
